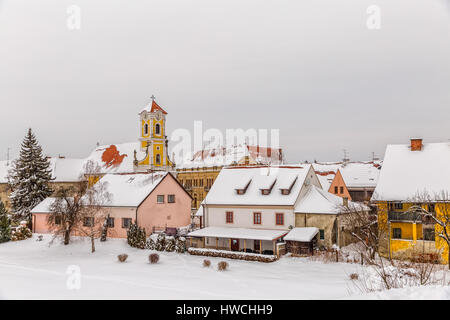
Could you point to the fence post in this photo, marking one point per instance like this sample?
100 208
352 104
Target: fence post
337 256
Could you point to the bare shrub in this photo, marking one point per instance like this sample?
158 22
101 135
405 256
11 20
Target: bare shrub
153 258
206 263
122 257
354 276
222 265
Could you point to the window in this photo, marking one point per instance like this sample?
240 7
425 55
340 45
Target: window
229 217
428 234
158 159
256 217
341 190
160 198
145 129
158 129
110 222
431 208
322 234
126 223
88 222
396 233
279 219
336 190
171 198
398 206
58 220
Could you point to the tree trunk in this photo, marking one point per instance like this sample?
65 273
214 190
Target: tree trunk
66 237
92 244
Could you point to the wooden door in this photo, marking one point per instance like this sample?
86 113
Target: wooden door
234 244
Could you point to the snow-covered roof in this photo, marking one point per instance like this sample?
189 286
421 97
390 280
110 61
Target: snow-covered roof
4 167
116 158
152 107
361 174
199 212
325 179
319 201
305 234
238 233
223 191
406 173
226 156
63 170
44 206
66 170
129 190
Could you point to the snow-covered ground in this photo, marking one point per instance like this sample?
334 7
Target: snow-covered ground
32 269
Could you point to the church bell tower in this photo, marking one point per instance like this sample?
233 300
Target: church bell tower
153 139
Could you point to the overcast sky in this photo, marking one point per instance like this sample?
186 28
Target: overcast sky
310 68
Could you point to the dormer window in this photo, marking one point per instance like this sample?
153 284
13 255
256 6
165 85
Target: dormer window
244 189
267 191
287 191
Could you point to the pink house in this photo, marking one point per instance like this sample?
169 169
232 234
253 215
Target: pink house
154 200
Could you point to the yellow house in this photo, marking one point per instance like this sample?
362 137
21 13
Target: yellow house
413 175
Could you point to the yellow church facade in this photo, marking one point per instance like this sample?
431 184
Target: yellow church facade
153 140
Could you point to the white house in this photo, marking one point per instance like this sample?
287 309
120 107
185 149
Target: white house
252 208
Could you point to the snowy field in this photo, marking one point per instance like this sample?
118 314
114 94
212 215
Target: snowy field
32 269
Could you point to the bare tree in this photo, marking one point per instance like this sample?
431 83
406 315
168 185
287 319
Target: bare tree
94 211
80 209
362 224
435 210
65 211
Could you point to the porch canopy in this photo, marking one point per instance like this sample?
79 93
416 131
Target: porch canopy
238 233
305 234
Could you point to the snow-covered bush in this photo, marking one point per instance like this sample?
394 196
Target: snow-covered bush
5 224
354 276
206 263
136 237
150 245
170 244
222 265
153 258
21 233
232 255
122 257
180 245
160 242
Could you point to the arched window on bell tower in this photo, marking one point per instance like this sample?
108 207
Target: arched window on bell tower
158 159
158 129
146 129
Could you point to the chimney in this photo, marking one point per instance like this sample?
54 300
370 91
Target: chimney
416 144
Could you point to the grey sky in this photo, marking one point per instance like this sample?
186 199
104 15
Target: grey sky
310 68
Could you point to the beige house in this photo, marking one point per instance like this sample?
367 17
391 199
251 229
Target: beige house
65 173
251 209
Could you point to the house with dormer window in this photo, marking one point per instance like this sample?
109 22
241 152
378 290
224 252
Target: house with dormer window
252 209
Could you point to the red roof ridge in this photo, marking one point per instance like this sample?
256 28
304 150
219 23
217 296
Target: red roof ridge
155 107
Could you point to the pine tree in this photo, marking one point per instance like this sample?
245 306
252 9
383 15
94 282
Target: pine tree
5 224
29 178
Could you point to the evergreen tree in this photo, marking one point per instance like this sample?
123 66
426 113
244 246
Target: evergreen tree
29 178
5 224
